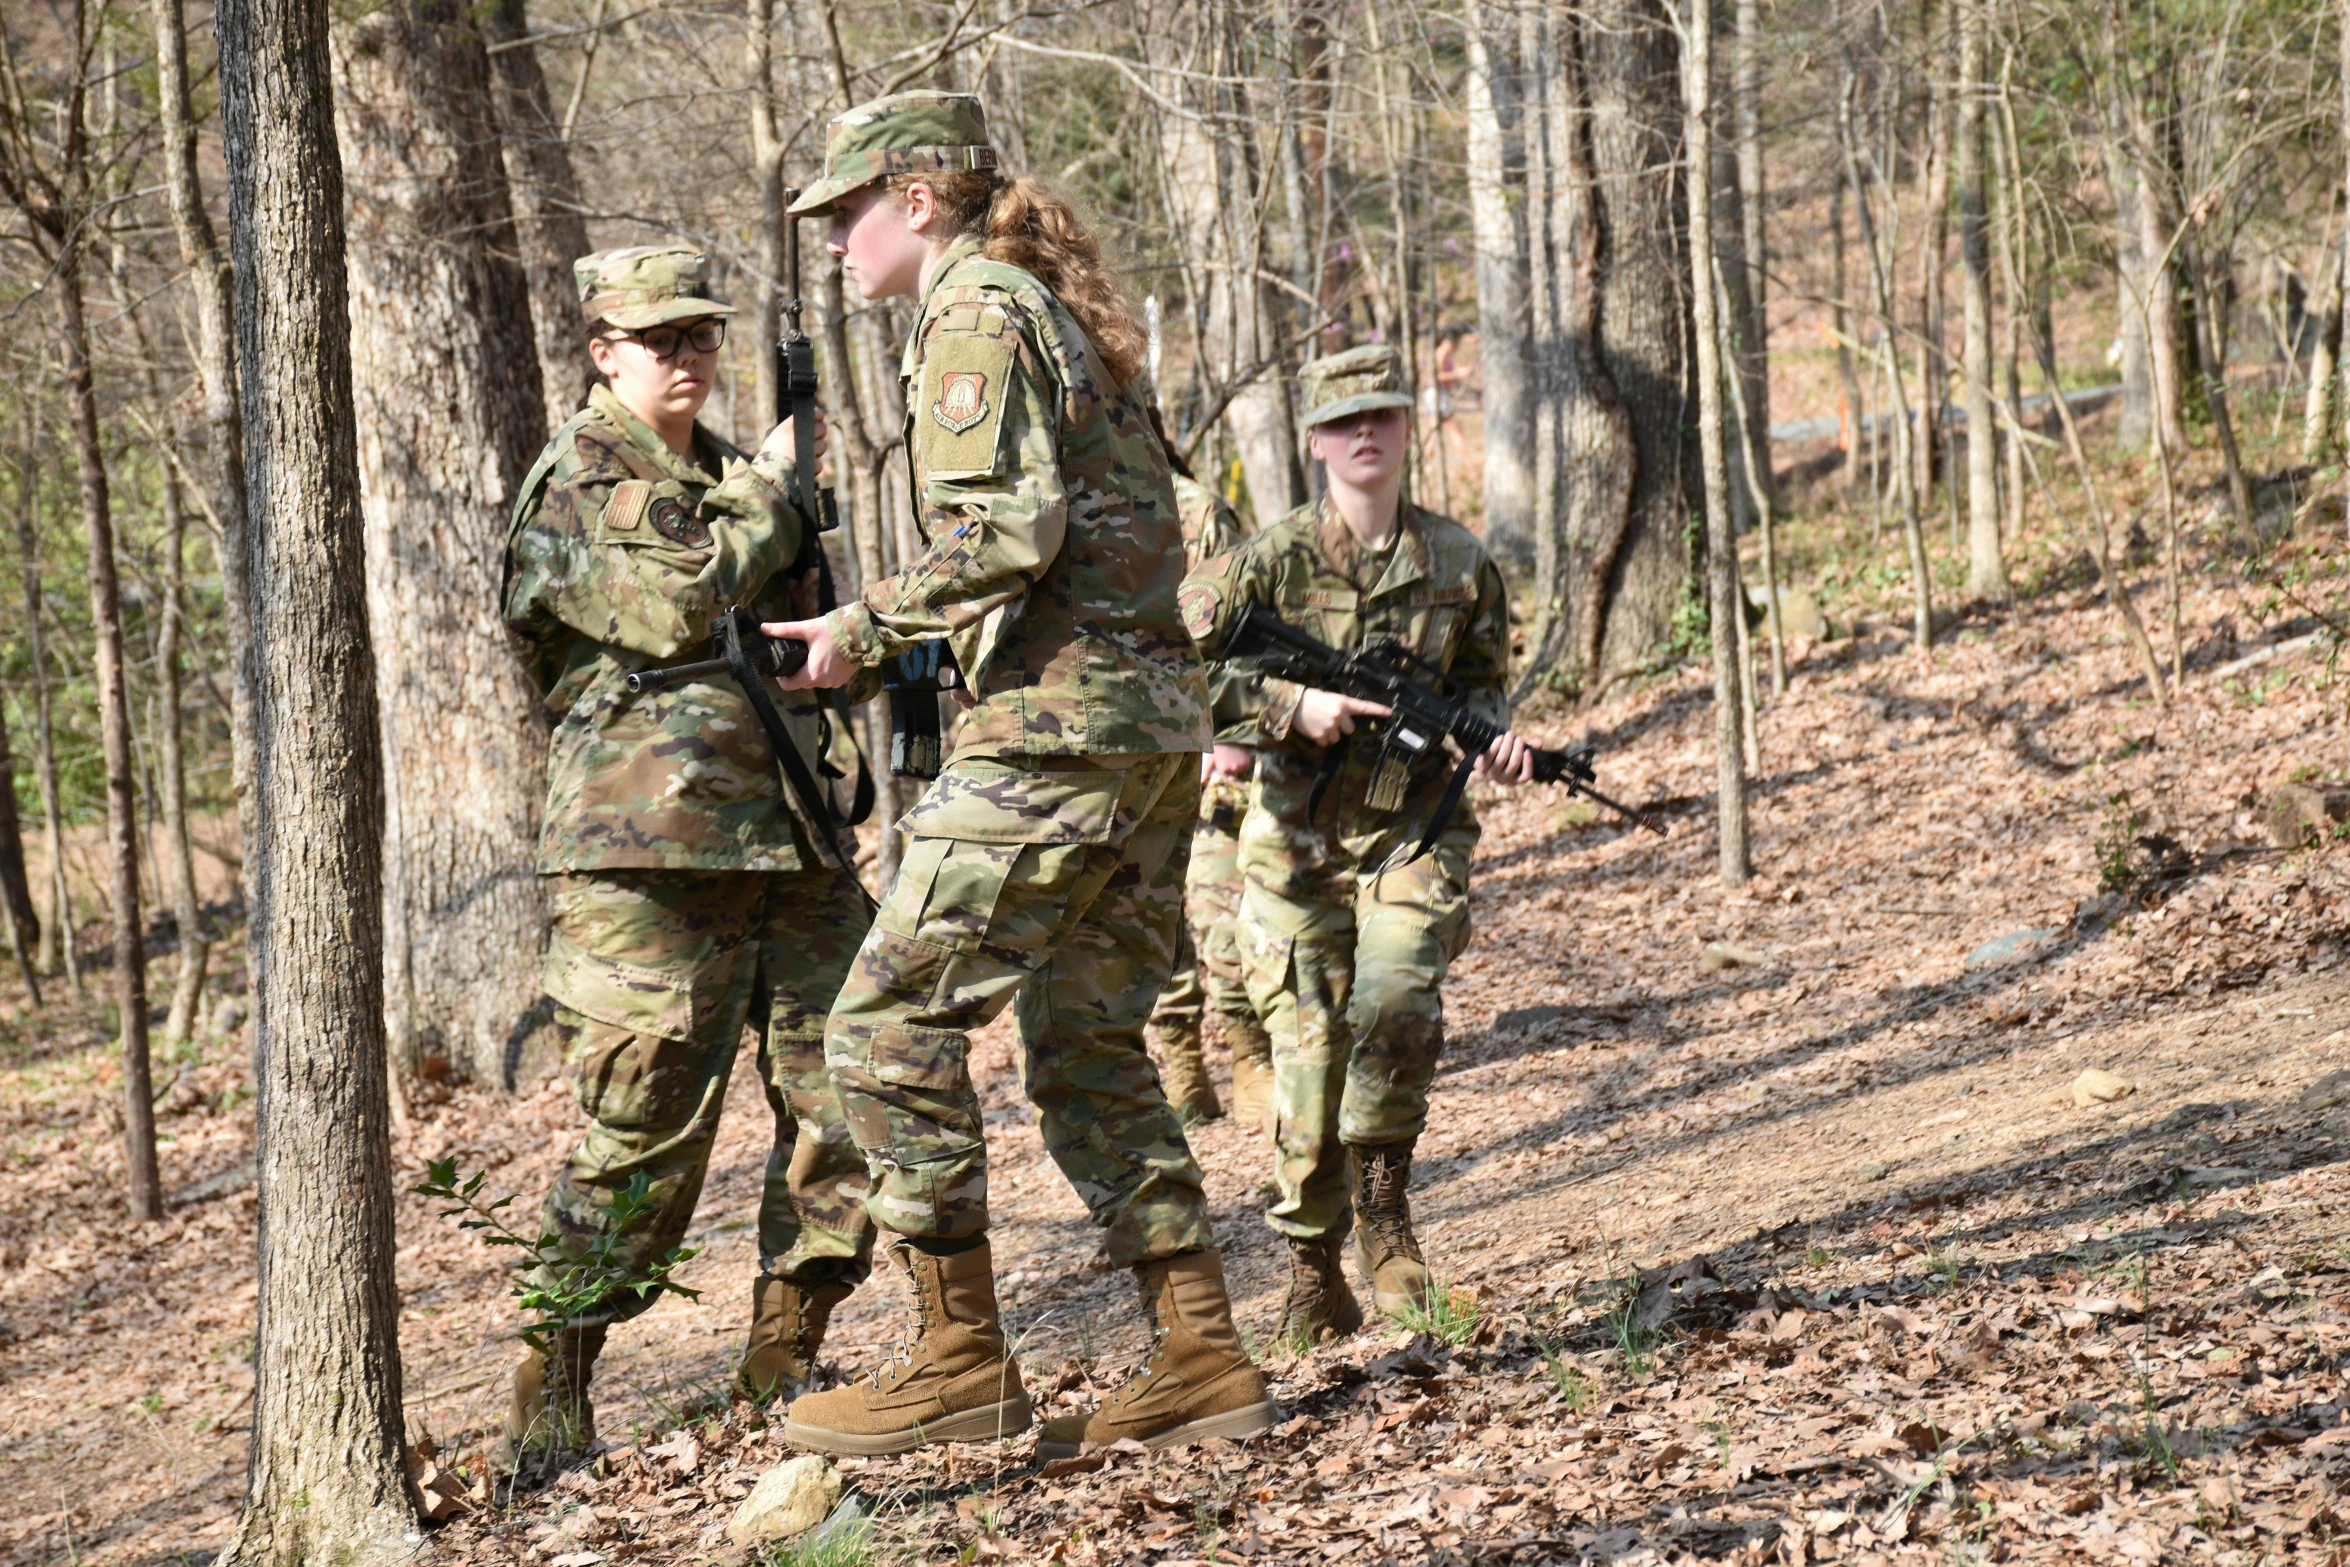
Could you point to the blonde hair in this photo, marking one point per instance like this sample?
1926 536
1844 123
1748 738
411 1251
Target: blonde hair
1026 224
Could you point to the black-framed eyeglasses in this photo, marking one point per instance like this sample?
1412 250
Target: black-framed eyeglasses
663 342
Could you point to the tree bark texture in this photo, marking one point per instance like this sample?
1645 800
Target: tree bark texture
325 1480
2133 426
767 164
1608 343
1934 218
548 226
16 893
145 1189
450 419
1497 224
2321 418
57 933
187 906
1986 572
224 427
1754 342
1727 615
1214 199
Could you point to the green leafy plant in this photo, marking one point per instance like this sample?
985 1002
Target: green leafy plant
580 1286
2118 863
1574 1388
1448 1314
847 1542
1636 1338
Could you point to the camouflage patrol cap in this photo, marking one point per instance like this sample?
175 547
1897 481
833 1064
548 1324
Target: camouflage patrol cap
646 285
1353 381
905 133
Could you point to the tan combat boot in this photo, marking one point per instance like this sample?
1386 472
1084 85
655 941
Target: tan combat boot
1252 1073
955 1381
1183 1072
1198 1382
550 1412
1319 1306
788 1320
1388 1250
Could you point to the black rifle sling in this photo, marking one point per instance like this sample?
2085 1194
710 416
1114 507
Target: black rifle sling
1444 809
814 801
828 600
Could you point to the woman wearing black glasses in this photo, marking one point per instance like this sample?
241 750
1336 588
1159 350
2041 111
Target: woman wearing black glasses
688 895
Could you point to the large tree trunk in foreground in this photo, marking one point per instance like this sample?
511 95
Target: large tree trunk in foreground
325 1481
1609 271
1726 612
547 221
450 419
1499 226
145 1189
224 424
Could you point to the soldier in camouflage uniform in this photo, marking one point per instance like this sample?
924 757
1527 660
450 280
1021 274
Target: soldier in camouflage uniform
1346 949
1207 970
689 896
1047 861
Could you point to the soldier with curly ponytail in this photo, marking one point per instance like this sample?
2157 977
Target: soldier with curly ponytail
1047 861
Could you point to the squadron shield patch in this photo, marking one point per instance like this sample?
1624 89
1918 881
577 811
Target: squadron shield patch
962 400
679 523
1198 603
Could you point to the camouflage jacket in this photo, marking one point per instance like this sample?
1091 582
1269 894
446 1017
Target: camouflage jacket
1054 543
1435 590
1211 528
620 555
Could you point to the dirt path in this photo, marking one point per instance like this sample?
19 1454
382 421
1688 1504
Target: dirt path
1805 1251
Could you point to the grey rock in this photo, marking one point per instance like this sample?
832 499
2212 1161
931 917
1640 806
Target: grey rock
2000 949
2327 1092
1799 611
228 1017
1875 1170
1722 955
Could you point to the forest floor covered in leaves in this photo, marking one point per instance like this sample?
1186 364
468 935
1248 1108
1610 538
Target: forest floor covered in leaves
1777 1229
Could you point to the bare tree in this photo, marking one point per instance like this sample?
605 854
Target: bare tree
325 1481
450 418
1609 279
1724 603
1986 572
57 205
16 894
549 226
1497 220
57 933
216 366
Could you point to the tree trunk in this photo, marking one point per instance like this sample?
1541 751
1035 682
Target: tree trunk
325 1481
187 906
1609 270
767 166
145 1190
16 893
216 350
1934 216
2321 419
2133 427
1725 612
450 419
1986 571
2157 289
1499 233
1754 342
57 933
2211 359
548 225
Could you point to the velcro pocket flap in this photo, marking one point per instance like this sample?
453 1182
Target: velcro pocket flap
641 1000
983 801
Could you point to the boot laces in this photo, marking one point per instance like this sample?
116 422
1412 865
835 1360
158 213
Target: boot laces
910 1343
1387 1210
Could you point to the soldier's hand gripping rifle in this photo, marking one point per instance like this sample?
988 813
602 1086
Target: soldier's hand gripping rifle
742 651
1424 713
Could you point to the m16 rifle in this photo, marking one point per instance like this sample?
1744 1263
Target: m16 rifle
741 651
1423 712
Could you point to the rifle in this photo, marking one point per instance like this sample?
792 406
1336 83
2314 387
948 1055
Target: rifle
740 650
1425 713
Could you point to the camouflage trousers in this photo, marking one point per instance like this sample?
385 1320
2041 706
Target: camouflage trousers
1208 977
654 974
1061 887
1345 964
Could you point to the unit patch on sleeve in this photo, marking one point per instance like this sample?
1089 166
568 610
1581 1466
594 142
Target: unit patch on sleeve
959 424
962 400
679 523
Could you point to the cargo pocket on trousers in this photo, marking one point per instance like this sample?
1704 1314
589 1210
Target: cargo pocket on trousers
630 1060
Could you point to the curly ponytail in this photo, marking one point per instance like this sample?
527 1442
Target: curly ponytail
1027 224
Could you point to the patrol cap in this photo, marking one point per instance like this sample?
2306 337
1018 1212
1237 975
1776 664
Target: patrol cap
1352 382
646 285
904 133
